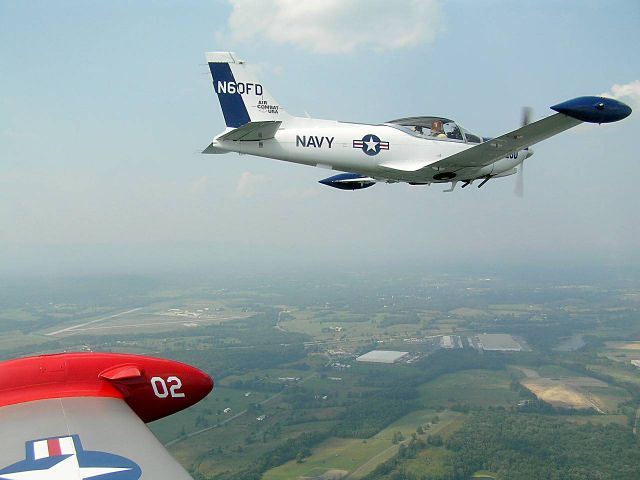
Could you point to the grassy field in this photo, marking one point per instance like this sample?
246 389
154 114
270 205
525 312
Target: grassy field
358 456
554 371
12 315
472 387
169 428
624 374
235 455
514 309
356 327
610 397
16 339
622 352
432 461
429 463
312 322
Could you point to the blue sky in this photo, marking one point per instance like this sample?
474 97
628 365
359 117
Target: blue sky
106 104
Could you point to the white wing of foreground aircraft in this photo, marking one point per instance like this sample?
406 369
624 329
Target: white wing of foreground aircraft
416 150
81 416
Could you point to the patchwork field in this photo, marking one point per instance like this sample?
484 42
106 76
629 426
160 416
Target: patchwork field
622 352
358 457
565 390
10 340
624 345
471 387
12 315
621 373
209 411
560 394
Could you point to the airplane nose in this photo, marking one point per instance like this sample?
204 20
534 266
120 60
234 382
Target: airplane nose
529 152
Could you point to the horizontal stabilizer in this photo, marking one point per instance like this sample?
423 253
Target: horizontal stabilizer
253 131
214 150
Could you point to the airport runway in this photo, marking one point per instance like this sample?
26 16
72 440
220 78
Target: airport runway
101 319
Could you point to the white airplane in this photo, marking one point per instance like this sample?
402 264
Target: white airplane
416 150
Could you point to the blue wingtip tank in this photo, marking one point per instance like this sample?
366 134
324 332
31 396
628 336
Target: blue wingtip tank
594 109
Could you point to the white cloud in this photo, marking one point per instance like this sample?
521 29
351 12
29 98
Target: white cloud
629 92
248 184
336 26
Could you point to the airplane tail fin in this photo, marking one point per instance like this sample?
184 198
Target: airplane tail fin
242 98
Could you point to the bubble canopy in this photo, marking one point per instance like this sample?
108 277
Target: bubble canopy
437 128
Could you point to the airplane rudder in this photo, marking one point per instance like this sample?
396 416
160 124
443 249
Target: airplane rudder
242 97
225 85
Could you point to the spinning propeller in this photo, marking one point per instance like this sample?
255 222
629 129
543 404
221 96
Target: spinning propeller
526 120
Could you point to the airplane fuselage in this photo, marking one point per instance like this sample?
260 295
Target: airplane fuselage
416 150
366 149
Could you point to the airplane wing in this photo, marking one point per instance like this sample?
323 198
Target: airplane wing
500 147
571 113
80 416
64 438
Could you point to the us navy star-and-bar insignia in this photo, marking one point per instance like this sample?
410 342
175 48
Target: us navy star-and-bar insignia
371 144
63 458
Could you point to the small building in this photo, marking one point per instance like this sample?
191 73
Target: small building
227 410
382 356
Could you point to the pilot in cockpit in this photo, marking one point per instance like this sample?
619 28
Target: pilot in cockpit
437 129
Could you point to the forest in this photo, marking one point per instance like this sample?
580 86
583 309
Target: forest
514 447
534 446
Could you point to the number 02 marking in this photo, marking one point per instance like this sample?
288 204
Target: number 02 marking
170 387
